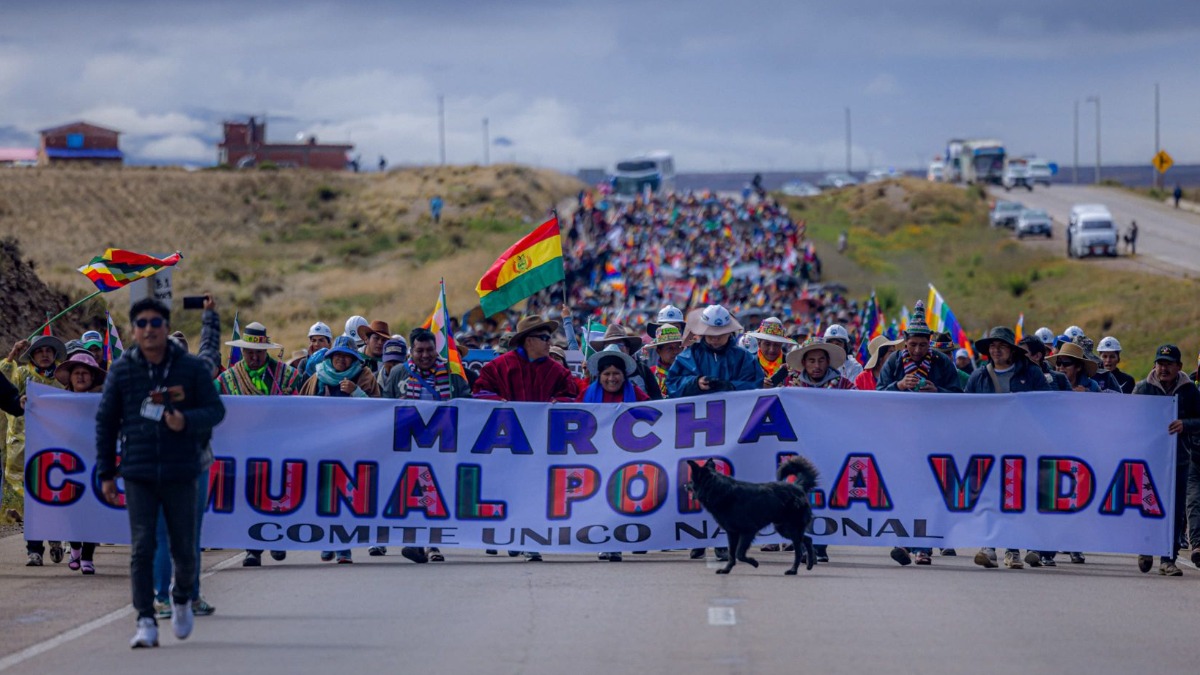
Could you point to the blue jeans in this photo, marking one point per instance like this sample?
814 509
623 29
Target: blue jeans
162 554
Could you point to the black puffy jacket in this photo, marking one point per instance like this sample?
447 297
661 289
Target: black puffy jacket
149 450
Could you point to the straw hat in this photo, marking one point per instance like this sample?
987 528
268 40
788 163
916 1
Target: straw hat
837 355
771 330
254 336
875 346
1070 350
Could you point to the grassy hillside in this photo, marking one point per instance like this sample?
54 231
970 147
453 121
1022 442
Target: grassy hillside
283 247
906 234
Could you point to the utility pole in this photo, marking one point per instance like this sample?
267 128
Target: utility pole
486 159
1096 99
1075 166
442 129
1157 147
847 139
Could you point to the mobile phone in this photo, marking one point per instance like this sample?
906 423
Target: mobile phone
193 302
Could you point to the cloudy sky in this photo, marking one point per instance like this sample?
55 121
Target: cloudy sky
723 85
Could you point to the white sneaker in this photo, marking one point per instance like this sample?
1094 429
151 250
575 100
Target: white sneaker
182 620
146 635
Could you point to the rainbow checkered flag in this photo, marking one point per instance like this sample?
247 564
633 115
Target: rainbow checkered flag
118 268
235 353
112 342
439 323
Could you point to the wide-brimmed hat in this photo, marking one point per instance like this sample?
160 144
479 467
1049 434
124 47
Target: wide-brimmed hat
254 336
342 344
1002 334
837 355
916 323
616 334
712 320
376 327
771 330
81 360
529 324
609 352
60 349
1070 350
875 346
668 334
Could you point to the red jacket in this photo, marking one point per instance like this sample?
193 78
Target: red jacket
513 377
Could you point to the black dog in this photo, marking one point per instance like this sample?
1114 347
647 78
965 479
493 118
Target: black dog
742 508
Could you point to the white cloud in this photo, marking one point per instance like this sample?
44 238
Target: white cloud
883 84
176 149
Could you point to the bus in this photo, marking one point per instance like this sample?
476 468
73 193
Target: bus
975 161
652 171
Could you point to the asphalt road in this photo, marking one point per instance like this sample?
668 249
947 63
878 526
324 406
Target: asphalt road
1168 239
662 613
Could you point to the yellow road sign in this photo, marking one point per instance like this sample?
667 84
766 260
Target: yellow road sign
1162 161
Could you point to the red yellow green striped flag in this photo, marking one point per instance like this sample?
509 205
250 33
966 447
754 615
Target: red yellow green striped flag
117 268
525 268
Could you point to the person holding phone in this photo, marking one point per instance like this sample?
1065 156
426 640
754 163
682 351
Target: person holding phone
160 401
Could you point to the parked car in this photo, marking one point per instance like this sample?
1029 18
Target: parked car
1004 214
836 180
936 172
879 175
799 188
1090 231
1040 172
1034 221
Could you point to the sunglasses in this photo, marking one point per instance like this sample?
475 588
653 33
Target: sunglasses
544 337
156 322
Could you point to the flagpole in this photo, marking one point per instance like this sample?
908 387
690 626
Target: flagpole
56 316
554 212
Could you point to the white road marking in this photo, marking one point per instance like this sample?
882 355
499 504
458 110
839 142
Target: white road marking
79 631
721 616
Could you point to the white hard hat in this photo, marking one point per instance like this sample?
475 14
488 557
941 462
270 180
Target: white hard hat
749 343
1109 344
352 325
670 314
837 332
961 354
1073 332
319 328
1045 335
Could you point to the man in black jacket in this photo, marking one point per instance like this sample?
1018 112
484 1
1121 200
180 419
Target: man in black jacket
1168 379
161 403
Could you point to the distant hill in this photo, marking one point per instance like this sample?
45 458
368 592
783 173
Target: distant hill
283 247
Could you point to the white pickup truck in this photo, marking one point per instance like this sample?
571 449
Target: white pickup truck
1090 231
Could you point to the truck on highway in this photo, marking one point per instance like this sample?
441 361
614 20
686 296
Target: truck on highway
649 171
973 161
1090 231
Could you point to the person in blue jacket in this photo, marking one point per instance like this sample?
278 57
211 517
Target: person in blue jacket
715 363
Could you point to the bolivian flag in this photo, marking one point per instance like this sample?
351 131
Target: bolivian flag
525 268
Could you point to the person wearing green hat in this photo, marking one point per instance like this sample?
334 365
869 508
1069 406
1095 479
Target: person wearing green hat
95 345
28 362
1168 379
668 342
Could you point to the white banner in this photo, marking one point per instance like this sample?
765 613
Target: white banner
1053 471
